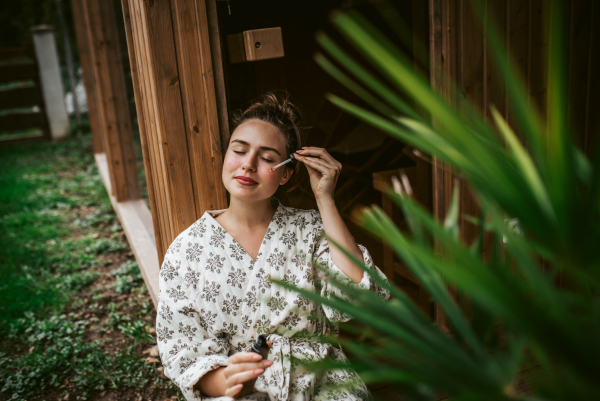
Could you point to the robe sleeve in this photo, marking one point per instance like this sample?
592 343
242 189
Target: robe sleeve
322 256
187 350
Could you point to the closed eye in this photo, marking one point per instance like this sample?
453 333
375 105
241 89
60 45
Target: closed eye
239 152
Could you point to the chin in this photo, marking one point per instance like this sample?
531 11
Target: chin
246 194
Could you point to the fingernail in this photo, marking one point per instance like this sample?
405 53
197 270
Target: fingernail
267 363
259 372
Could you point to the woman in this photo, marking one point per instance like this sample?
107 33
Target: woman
215 293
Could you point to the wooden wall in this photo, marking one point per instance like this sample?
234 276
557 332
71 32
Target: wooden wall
171 66
459 50
104 80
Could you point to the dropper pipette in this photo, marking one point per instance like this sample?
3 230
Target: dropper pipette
291 159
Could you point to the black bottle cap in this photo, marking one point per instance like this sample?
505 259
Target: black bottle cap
261 346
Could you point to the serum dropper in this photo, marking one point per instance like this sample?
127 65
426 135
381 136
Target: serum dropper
291 159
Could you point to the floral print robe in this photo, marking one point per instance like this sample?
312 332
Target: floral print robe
214 300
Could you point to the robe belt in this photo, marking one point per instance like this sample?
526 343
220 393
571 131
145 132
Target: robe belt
281 352
281 348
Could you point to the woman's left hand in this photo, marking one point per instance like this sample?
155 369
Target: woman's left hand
323 170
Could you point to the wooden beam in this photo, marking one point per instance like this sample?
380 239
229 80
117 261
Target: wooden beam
111 98
198 100
170 55
216 47
50 79
136 221
141 117
83 47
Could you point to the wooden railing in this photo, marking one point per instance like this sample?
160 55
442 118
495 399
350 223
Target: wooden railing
22 109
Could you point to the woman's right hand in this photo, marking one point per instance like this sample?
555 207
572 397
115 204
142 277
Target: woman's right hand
236 379
242 372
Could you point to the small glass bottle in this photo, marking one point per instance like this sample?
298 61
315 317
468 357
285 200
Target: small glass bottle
261 346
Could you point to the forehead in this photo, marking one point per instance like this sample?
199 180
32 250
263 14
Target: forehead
259 133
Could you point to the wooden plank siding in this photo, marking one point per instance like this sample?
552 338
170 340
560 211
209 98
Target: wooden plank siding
104 79
459 55
141 124
111 98
83 48
169 51
459 50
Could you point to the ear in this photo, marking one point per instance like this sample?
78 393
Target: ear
286 176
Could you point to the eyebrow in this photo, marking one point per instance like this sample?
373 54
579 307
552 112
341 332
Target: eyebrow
262 147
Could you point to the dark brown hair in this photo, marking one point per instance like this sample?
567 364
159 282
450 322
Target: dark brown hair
276 108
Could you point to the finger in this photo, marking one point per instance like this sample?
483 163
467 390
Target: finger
321 165
241 357
310 169
246 366
320 153
316 166
232 391
243 377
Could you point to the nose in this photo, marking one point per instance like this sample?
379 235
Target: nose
250 162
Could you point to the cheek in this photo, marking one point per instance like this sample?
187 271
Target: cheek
231 163
271 178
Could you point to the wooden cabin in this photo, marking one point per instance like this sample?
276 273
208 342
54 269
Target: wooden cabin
190 68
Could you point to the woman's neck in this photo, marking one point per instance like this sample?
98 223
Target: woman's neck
249 214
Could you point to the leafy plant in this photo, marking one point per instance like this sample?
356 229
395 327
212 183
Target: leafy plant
104 246
540 177
137 331
128 277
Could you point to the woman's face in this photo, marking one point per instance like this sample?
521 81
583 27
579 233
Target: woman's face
254 148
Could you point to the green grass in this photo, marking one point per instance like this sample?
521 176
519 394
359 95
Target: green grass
58 230
38 183
58 354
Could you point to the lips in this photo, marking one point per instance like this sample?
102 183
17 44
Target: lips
245 180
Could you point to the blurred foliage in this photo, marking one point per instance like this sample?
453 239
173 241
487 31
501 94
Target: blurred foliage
18 16
519 316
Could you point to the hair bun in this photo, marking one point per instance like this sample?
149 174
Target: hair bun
277 109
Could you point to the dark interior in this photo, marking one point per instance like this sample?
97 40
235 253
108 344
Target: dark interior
361 149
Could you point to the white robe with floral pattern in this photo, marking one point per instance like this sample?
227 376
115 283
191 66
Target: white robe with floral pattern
214 300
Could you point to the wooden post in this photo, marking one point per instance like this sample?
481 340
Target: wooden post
81 34
44 45
169 52
114 121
